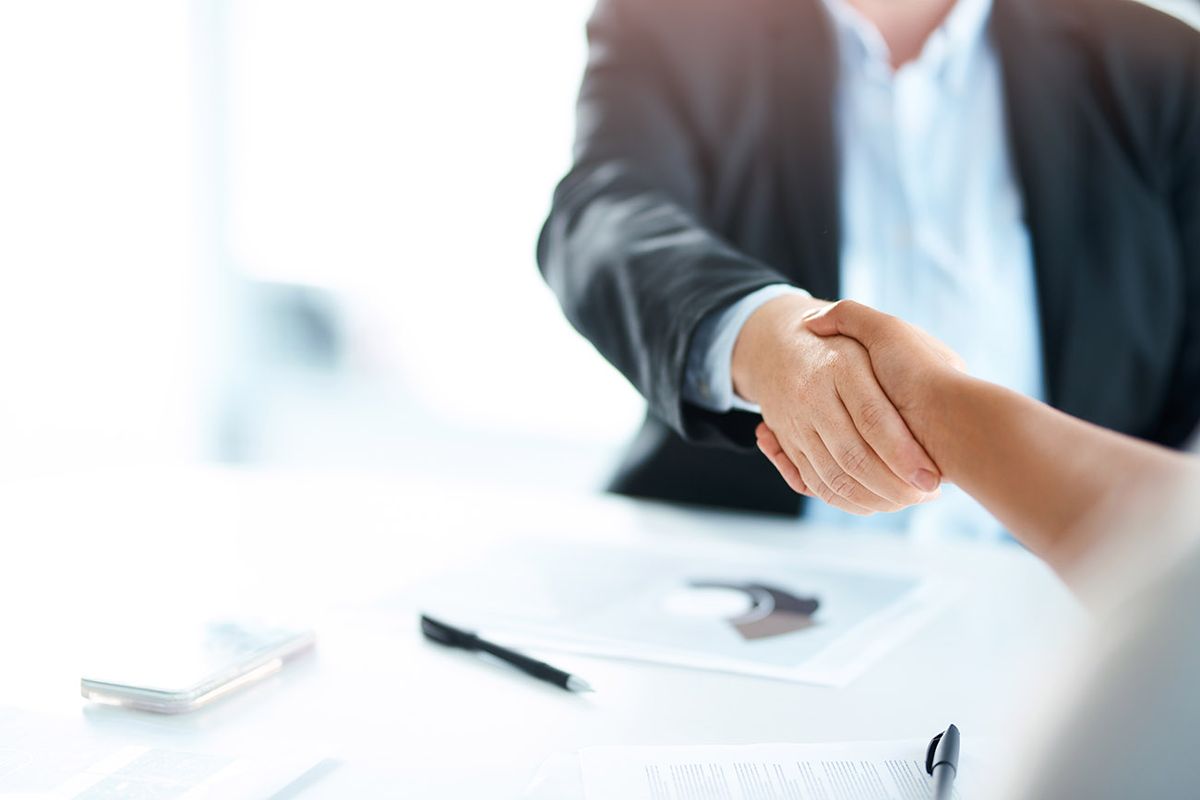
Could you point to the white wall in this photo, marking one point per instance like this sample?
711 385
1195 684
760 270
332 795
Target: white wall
404 154
96 340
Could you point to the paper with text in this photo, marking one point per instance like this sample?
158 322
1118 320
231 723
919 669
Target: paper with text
852 771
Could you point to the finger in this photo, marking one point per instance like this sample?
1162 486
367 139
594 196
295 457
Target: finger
812 481
843 434
883 430
770 447
817 487
837 487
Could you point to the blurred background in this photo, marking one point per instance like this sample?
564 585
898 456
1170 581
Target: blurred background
232 232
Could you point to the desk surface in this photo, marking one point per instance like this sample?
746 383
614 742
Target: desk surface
343 553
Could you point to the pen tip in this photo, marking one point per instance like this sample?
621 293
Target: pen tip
579 685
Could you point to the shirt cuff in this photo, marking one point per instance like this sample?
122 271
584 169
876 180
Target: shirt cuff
708 381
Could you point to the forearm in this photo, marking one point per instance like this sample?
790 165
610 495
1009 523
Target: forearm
1039 471
636 274
627 247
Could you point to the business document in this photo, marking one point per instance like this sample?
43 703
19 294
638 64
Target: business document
850 771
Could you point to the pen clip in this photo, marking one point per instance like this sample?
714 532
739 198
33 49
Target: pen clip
442 633
943 751
929 754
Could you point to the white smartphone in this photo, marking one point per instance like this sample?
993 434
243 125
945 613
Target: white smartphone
183 670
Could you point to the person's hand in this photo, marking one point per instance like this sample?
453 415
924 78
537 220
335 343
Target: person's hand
906 360
833 423
908 363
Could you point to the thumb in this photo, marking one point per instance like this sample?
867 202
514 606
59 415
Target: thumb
848 318
821 321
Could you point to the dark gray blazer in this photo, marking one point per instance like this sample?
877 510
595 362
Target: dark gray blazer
705 168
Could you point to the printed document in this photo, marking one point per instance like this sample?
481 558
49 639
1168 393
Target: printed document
850 771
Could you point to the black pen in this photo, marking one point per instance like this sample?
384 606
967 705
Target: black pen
450 636
941 762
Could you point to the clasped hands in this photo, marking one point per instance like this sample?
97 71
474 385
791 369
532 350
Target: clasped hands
847 396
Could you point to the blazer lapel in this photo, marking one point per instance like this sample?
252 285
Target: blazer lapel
804 64
1043 73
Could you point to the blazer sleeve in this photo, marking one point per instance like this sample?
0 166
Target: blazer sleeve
1182 414
625 247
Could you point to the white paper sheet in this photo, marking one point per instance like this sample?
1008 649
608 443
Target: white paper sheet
849 771
43 757
716 614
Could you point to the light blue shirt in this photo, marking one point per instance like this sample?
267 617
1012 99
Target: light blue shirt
932 225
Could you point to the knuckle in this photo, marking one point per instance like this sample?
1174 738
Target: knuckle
827 495
854 459
872 418
843 485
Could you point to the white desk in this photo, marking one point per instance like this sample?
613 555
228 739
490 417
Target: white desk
401 716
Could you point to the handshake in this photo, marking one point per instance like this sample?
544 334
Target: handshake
849 400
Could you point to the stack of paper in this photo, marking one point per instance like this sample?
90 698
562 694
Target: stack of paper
789 618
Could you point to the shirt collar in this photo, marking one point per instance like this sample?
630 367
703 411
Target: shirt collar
948 50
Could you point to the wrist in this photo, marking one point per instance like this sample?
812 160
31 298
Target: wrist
935 417
773 323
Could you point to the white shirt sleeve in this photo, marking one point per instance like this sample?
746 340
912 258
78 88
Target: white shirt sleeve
708 381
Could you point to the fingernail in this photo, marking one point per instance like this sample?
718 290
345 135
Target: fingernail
925 480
